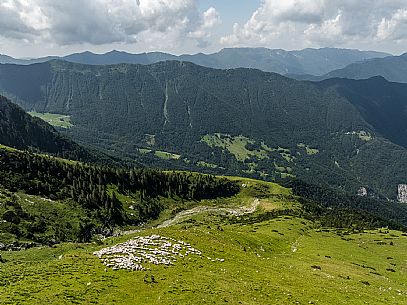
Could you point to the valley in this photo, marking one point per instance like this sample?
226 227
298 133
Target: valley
177 115
116 235
200 152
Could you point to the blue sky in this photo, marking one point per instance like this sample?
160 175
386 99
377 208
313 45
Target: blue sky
232 11
33 28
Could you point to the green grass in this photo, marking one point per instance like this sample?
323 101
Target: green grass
236 146
62 218
144 151
283 260
7 148
206 164
58 120
260 268
166 155
45 155
288 157
310 151
284 171
285 153
159 154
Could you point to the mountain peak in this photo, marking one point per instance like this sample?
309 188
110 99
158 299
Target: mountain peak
300 62
113 52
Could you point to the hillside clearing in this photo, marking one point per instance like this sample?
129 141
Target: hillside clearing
57 120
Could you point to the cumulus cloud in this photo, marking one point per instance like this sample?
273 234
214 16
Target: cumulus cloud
15 18
98 22
210 19
394 27
300 23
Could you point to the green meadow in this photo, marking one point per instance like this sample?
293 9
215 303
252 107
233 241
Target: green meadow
57 120
271 256
237 146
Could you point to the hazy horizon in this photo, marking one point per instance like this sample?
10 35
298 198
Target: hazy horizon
180 54
38 28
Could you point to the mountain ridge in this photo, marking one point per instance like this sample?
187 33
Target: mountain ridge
236 121
392 68
307 61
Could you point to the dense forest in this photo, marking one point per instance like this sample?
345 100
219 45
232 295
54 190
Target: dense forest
18 129
95 190
341 210
46 199
243 122
381 103
92 197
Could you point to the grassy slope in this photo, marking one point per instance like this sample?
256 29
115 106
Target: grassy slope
59 215
57 120
236 146
166 155
266 262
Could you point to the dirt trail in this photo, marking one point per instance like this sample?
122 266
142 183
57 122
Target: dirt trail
181 216
205 209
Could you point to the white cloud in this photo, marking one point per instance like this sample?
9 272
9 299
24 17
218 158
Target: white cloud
59 26
210 19
98 22
394 27
14 16
302 23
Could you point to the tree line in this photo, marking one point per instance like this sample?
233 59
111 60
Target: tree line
97 188
342 210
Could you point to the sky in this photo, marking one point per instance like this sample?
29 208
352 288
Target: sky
34 28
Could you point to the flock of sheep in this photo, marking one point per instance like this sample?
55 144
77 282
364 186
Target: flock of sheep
153 249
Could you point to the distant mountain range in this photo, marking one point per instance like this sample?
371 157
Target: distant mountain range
307 61
392 68
346 133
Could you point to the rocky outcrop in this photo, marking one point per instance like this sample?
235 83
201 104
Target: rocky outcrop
363 192
402 193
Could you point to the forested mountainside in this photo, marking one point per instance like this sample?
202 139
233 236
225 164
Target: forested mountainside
71 201
70 226
74 232
382 104
307 61
18 129
240 121
46 199
49 199
392 68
